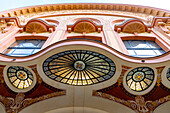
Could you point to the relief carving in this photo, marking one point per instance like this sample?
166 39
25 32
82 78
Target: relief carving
165 26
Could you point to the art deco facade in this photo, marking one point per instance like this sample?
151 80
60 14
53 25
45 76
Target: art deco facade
85 58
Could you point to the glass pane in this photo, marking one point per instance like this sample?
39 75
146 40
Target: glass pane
159 52
138 44
30 43
8 51
17 43
131 52
145 52
41 43
152 44
126 44
23 51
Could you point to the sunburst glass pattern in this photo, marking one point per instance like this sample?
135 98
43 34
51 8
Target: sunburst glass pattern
20 77
140 78
79 67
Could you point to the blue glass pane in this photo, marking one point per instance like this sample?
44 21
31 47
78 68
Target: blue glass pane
17 43
152 44
143 48
146 52
24 47
126 44
138 44
30 43
41 43
23 51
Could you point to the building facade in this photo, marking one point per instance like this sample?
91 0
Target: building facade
85 58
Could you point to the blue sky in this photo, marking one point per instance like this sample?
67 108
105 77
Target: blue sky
11 4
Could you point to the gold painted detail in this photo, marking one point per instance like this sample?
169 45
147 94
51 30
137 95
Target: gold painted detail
165 26
84 27
3 25
134 27
35 27
139 105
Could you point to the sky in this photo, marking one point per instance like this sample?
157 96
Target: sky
11 4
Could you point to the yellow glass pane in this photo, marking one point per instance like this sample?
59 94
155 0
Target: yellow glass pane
13 78
148 81
132 86
89 81
29 81
16 83
64 80
129 82
21 85
26 84
138 87
84 82
80 82
144 86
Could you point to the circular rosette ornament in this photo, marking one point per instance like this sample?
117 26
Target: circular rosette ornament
79 67
140 78
20 77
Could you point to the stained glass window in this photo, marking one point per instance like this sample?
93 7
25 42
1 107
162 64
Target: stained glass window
143 48
79 67
140 78
20 77
168 74
24 47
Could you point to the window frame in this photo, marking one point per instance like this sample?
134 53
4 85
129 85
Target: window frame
12 40
158 41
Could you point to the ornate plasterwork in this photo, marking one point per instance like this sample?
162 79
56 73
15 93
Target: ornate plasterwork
84 27
35 27
165 26
14 105
3 25
139 105
134 27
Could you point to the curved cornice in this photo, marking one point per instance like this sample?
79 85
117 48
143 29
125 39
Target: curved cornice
86 6
89 43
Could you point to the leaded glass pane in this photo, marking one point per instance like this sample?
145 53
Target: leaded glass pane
20 77
140 78
79 67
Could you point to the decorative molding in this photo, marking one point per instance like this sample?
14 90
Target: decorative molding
84 26
132 26
139 105
14 105
87 6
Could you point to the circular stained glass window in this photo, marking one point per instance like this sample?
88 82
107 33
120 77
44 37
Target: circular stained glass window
140 78
168 74
20 77
79 67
